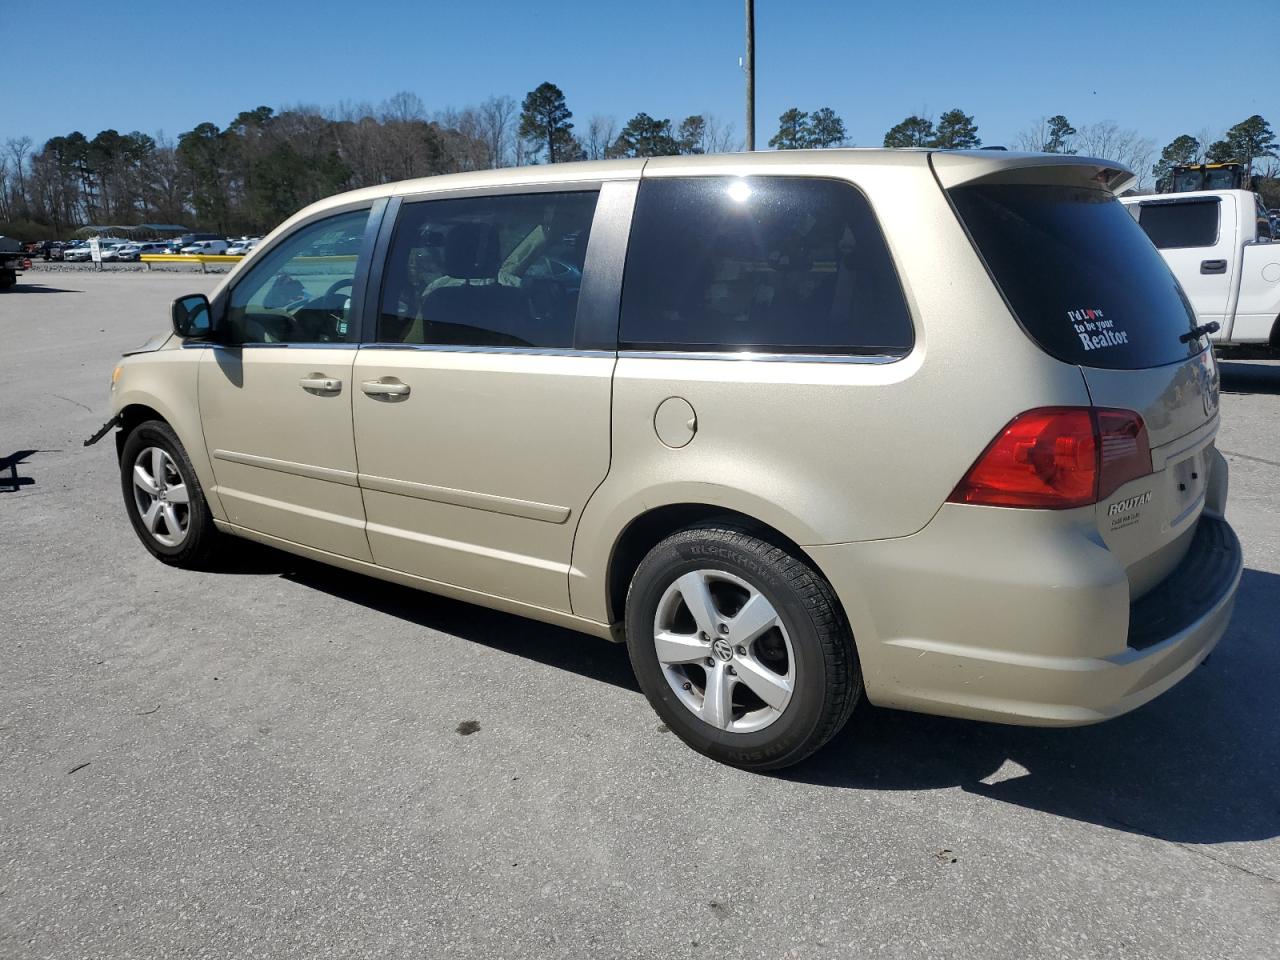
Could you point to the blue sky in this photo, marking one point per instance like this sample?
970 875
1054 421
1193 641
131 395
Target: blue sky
1162 67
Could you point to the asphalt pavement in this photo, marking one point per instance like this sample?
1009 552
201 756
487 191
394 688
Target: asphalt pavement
285 760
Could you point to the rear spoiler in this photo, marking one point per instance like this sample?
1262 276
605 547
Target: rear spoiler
959 167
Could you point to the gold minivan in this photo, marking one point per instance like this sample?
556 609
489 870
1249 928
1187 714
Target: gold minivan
934 428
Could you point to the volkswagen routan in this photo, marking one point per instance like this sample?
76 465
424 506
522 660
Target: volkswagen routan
931 428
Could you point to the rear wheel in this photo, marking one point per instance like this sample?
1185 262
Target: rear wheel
166 505
740 647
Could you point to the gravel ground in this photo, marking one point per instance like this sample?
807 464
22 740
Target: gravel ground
61 266
285 760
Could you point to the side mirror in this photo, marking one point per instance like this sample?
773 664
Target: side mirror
192 318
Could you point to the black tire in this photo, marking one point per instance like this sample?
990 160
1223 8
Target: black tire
197 548
827 680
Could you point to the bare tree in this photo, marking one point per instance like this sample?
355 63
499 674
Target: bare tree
601 132
1034 137
404 107
166 181
1109 141
465 147
496 121
6 203
18 148
719 137
1206 136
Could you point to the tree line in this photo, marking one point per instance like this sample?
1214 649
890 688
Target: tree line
266 164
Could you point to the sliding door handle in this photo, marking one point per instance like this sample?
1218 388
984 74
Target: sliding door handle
318 384
1213 266
385 388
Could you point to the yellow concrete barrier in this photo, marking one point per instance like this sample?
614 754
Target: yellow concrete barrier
203 258
200 258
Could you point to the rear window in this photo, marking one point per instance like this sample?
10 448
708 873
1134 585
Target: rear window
761 264
1185 223
1079 274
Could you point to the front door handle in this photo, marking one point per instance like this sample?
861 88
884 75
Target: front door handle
319 384
1213 266
385 388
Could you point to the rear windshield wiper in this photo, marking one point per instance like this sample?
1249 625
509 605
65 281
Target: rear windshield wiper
1195 333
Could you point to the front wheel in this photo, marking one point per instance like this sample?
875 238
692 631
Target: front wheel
741 647
166 505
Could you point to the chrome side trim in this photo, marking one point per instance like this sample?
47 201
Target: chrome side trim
311 472
521 351
344 345
458 546
546 512
588 185
355 523
558 617
741 355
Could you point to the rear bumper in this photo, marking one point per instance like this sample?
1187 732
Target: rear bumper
1018 618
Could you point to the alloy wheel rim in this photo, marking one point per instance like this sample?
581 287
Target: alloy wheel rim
160 497
724 651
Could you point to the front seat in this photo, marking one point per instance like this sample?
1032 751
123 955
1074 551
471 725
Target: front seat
479 311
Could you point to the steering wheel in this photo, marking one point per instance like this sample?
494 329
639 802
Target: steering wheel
336 286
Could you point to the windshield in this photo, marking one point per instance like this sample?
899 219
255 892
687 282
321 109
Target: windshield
1079 274
1187 181
1219 180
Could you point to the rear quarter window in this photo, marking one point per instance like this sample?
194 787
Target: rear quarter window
1079 274
760 264
1187 223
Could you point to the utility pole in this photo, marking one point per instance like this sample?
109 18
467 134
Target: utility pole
751 74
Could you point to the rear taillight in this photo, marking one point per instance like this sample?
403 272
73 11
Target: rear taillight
1056 458
1125 450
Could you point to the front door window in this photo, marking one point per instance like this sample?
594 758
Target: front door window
300 292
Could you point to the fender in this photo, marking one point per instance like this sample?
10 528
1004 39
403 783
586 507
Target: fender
166 382
604 520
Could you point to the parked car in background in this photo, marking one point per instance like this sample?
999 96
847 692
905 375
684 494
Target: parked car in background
132 251
82 251
241 247
687 402
187 239
48 250
205 247
1220 246
109 249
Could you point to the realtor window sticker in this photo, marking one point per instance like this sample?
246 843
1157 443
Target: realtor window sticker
1095 331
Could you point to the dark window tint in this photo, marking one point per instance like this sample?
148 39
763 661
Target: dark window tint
1187 223
501 271
760 263
300 292
1080 276
1265 230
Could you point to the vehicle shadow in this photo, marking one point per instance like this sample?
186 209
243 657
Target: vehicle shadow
9 465
23 287
1238 377
1200 764
563 649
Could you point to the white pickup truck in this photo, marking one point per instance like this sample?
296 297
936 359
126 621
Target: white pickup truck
1220 246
